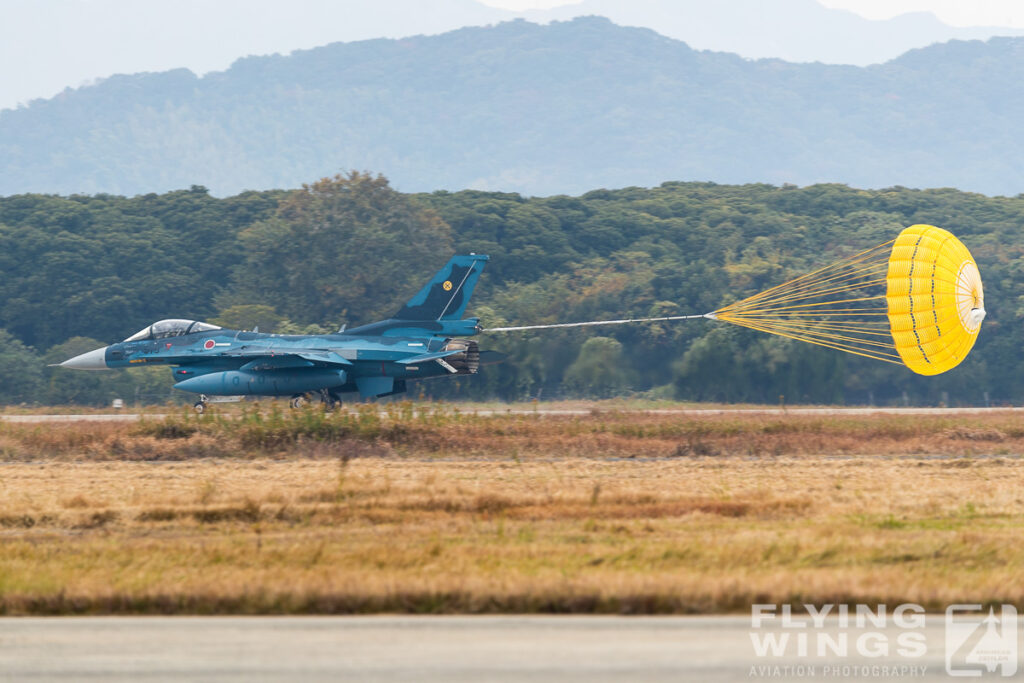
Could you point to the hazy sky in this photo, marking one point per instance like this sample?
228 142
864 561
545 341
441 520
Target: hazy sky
48 45
954 12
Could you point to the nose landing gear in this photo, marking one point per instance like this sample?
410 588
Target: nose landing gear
204 400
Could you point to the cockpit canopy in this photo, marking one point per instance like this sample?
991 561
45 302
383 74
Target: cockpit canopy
170 328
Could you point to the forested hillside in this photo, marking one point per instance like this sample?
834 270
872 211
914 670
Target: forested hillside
82 271
536 109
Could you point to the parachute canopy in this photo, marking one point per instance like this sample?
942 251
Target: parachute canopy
916 300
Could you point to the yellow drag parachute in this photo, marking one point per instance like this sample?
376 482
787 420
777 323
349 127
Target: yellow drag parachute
916 300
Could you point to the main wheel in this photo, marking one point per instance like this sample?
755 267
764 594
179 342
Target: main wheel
328 399
199 407
298 401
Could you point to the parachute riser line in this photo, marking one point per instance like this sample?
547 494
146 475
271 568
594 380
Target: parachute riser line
591 323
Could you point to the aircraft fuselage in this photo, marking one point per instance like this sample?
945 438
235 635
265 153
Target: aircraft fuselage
419 342
232 363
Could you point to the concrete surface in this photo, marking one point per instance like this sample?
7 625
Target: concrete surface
452 649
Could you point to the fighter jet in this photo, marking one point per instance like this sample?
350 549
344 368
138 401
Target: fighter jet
422 340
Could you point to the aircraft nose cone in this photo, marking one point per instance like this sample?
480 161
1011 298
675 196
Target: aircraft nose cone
91 360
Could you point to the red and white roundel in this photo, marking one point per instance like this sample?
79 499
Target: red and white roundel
209 344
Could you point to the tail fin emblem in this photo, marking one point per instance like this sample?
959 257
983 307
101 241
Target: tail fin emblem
447 285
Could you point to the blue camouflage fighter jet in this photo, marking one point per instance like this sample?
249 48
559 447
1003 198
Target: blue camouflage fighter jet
421 341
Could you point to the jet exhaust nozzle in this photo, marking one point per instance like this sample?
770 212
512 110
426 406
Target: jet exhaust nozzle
468 361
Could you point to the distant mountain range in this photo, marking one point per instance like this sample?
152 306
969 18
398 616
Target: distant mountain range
793 30
47 45
562 108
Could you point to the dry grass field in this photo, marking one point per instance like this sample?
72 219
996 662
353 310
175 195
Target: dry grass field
429 510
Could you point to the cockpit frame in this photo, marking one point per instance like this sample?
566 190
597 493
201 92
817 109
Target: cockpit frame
171 327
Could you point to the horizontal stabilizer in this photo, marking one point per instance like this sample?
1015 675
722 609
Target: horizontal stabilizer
424 357
492 357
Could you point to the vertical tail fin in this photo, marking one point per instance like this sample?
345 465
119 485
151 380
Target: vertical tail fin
446 295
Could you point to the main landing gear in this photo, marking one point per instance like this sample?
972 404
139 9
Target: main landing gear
324 397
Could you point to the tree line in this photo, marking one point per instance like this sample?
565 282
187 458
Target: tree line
82 271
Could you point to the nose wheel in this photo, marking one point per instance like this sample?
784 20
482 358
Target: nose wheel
200 405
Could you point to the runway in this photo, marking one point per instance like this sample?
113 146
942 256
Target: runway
114 417
452 649
682 412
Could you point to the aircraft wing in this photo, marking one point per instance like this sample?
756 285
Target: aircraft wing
265 359
323 357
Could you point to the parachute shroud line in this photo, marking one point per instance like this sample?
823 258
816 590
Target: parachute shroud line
916 301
